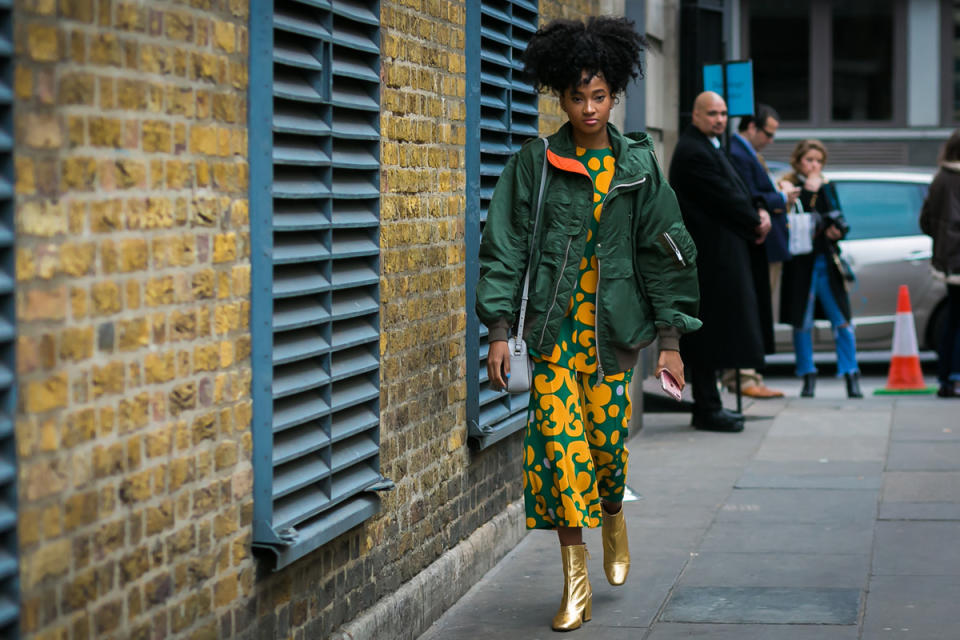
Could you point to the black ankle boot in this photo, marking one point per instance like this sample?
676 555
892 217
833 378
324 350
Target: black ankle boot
809 384
853 385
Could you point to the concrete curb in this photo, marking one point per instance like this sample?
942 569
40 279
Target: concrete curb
409 612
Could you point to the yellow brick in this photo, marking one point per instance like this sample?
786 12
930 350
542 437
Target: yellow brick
47 394
224 36
133 334
77 259
225 247
157 136
48 561
133 255
78 302
44 304
130 174
107 379
76 344
105 132
160 367
134 413
43 44
105 49
79 173
106 216
80 427
206 357
40 130
133 294
203 139
159 291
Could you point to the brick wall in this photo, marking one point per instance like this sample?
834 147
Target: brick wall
132 303
133 298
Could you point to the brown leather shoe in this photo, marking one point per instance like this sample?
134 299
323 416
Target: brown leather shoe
761 391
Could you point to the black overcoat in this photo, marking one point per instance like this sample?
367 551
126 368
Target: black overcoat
732 269
798 271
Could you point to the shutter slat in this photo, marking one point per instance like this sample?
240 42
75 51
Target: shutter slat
8 565
354 125
299 216
353 98
290 412
296 443
8 518
356 158
301 21
295 508
352 362
289 118
8 472
352 481
299 152
300 185
355 185
288 53
6 425
298 281
288 248
354 69
352 421
348 214
298 474
7 331
352 392
298 345
9 611
294 87
298 313
353 332
351 303
355 40
352 245
350 452
356 11
353 274
298 377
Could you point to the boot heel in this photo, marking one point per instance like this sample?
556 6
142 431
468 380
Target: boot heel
588 610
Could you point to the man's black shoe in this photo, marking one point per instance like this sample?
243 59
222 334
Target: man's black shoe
719 420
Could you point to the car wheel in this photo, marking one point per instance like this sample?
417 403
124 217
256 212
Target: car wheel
934 331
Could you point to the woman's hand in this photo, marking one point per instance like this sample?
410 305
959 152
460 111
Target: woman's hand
498 364
813 182
833 233
670 360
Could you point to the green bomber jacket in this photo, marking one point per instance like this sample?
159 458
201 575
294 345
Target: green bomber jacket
647 282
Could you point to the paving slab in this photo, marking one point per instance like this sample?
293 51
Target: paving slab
921 486
799 506
906 548
925 420
920 511
812 474
924 456
843 538
708 568
680 631
912 607
763 605
824 448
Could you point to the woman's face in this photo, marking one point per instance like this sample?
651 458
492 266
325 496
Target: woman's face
811 163
588 106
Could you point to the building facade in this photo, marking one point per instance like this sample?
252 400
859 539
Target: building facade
250 399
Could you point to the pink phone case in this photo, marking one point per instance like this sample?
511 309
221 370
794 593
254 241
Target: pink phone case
670 385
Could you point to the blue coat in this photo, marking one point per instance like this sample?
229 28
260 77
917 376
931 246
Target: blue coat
764 195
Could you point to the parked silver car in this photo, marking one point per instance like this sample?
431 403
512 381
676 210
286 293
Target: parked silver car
886 248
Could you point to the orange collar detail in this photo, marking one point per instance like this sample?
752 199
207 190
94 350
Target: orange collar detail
567 164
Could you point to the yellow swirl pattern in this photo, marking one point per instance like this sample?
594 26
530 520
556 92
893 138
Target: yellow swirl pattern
574 452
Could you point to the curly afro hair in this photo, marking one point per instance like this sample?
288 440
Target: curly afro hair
562 50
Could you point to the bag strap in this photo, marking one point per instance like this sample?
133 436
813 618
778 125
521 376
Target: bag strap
533 240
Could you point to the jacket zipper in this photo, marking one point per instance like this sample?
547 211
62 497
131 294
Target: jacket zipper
556 290
676 249
596 310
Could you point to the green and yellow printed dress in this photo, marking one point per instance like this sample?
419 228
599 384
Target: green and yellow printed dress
574 450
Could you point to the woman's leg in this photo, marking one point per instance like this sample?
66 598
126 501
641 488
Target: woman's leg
607 411
949 353
843 336
803 335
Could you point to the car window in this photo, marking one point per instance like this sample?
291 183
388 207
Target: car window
876 209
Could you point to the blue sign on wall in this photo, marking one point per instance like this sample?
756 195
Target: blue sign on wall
738 88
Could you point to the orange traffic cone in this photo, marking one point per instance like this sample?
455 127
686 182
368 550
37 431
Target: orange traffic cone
905 375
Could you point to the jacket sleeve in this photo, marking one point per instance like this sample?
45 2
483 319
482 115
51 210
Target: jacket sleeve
665 262
703 180
504 249
928 215
760 186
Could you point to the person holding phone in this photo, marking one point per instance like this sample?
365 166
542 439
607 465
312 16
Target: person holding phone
815 281
612 268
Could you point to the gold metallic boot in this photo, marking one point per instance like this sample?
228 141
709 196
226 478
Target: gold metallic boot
577 594
616 552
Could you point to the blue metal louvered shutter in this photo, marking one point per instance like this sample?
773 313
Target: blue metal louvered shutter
507 117
324 335
9 583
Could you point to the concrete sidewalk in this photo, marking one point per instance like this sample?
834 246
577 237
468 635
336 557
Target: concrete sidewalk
826 519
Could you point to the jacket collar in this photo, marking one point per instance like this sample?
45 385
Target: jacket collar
627 150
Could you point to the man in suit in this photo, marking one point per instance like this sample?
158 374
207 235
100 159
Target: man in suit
753 134
728 230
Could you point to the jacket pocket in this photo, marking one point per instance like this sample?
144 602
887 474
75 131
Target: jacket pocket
622 308
677 245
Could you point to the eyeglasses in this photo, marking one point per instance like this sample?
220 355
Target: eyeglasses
766 133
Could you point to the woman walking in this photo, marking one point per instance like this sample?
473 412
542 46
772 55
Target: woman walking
940 219
814 283
611 268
